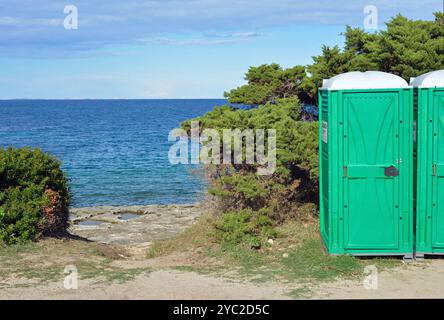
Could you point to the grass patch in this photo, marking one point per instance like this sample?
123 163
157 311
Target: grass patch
31 264
300 293
310 262
297 256
103 270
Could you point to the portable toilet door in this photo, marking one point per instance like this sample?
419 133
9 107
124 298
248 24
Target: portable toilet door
366 164
429 112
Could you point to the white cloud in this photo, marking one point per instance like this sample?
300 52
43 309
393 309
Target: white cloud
22 22
37 28
209 39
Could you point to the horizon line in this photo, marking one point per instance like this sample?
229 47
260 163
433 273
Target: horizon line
62 99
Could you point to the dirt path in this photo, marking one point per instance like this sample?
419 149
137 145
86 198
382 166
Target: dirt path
159 281
168 278
163 284
418 280
423 280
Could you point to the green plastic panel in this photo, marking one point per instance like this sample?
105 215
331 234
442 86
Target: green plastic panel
430 171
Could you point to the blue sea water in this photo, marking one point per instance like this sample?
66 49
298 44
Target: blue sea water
115 152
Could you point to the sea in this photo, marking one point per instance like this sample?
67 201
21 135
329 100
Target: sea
115 152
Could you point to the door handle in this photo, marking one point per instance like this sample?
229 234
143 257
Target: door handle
391 171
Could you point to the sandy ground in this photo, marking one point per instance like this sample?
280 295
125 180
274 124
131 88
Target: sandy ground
417 280
157 285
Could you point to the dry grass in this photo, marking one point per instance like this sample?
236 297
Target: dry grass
198 236
296 256
45 261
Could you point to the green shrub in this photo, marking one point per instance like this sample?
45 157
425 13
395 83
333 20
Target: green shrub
34 195
295 180
246 190
245 226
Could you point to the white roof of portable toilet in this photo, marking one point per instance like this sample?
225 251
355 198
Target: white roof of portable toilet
364 80
429 80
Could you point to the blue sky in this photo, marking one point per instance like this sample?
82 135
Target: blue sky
169 48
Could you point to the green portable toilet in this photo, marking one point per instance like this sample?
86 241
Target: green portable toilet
429 161
366 164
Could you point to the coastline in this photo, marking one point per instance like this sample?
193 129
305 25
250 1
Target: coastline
133 226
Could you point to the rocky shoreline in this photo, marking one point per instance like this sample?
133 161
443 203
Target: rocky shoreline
132 226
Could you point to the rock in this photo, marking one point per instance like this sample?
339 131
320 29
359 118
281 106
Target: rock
285 255
154 222
270 241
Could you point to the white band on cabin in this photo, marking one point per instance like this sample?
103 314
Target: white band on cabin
364 80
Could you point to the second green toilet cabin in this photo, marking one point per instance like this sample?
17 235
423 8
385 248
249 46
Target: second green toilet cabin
429 162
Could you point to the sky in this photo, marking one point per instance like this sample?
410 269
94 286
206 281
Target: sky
168 48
